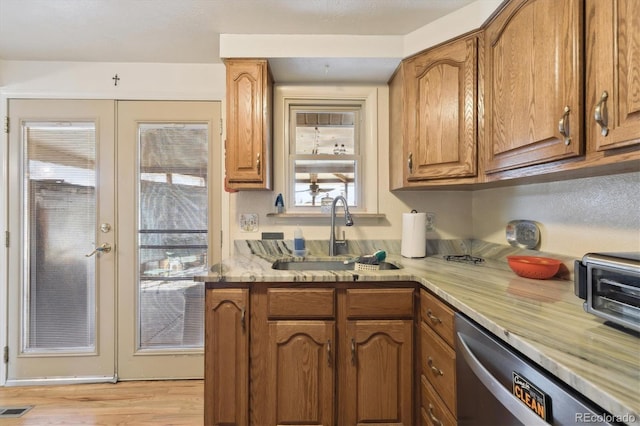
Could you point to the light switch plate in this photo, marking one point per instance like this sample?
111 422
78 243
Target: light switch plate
248 222
431 222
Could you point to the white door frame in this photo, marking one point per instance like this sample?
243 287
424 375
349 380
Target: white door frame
92 80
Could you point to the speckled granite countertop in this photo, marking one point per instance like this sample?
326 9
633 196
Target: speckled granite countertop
543 319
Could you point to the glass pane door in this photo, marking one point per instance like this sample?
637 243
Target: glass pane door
61 291
168 175
172 234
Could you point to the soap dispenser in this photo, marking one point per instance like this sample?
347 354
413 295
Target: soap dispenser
279 204
298 243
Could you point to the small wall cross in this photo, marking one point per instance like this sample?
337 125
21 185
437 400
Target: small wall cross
115 79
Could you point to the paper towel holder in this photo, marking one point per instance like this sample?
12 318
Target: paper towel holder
413 244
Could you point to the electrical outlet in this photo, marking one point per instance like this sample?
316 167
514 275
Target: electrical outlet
248 222
431 222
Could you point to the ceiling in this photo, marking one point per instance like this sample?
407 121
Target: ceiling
188 31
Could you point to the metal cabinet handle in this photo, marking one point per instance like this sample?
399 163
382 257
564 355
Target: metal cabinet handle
243 321
410 163
435 369
353 351
104 248
600 114
434 319
434 419
329 352
563 125
258 163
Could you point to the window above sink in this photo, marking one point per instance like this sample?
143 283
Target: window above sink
329 147
324 154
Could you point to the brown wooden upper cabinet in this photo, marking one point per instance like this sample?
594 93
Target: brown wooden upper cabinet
613 74
532 105
533 84
249 128
441 125
433 115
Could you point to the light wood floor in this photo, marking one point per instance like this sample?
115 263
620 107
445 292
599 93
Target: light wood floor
178 402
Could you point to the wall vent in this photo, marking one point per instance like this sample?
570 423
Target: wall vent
13 412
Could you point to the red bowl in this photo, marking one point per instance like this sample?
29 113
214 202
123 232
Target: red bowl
540 268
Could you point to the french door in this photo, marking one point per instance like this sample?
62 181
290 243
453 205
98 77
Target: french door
61 253
109 219
166 153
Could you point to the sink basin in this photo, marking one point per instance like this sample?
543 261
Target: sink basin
322 265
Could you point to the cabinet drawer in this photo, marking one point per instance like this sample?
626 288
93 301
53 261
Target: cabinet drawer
438 363
438 316
433 410
301 303
380 303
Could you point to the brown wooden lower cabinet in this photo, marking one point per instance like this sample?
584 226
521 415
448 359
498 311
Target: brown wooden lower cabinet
312 354
301 371
437 362
226 358
439 365
433 411
378 373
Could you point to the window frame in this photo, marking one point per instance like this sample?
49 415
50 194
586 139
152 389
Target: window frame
366 173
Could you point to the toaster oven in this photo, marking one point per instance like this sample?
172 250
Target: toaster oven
610 285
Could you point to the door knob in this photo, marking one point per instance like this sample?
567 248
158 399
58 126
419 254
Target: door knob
104 248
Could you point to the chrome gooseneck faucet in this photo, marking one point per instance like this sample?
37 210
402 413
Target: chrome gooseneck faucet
348 220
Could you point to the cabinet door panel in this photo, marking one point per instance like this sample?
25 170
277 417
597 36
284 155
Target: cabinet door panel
439 365
533 72
248 144
301 373
441 97
226 357
613 66
397 129
379 373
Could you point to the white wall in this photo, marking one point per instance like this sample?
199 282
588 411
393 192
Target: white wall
449 26
596 214
452 209
93 80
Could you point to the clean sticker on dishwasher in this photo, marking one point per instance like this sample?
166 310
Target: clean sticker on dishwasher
531 396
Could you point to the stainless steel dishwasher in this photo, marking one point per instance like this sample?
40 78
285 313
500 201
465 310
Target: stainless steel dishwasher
496 385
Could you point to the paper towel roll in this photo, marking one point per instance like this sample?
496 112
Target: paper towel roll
414 240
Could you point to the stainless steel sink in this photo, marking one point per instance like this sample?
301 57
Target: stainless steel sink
322 265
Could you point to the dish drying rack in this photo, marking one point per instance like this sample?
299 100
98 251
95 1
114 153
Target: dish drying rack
366 267
370 262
